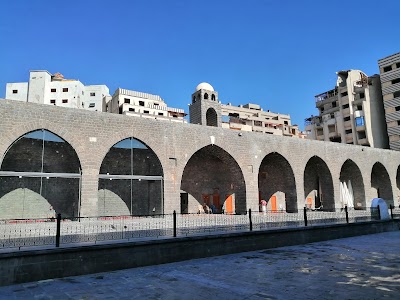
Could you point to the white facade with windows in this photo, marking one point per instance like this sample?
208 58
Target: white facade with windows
45 88
351 113
138 104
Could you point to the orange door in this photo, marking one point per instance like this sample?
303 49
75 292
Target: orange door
309 202
273 203
229 204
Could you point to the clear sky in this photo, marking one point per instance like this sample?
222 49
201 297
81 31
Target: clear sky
276 53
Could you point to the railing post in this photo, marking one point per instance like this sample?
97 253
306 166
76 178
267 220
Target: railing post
305 216
174 214
251 222
347 214
391 210
379 212
58 231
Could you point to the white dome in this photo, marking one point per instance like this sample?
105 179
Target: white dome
204 86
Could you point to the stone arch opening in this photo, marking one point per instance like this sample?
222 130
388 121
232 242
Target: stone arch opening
213 97
205 96
380 183
40 176
130 181
212 176
276 183
352 191
211 117
318 185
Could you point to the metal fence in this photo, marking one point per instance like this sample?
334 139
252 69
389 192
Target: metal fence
17 234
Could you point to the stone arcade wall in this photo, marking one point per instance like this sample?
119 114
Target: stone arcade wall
92 134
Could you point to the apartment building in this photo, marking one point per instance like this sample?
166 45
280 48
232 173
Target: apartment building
45 88
389 68
138 104
206 109
351 113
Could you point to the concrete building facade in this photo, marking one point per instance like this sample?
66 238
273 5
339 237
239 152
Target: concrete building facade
389 68
111 164
351 113
207 109
139 104
45 88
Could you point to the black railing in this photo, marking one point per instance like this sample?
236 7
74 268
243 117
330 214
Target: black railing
20 233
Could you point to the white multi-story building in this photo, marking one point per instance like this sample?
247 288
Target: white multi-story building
45 88
138 104
351 113
390 79
206 109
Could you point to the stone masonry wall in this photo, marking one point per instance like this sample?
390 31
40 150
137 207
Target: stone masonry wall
92 134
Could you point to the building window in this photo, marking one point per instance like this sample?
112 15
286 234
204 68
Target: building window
397 80
360 121
131 109
145 111
65 90
141 103
213 97
345 106
398 123
344 94
346 118
397 108
359 107
398 65
396 94
257 123
65 101
127 100
53 90
286 122
92 104
334 104
15 91
205 96
362 95
387 69
53 101
160 114
83 93
155 104
92 94
348 131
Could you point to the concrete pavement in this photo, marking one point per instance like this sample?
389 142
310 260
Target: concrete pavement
364 267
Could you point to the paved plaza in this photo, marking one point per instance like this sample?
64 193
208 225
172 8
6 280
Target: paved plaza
364 267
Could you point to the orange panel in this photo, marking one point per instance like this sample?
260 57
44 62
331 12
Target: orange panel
273 203
229 204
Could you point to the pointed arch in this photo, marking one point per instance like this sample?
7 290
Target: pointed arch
276 183
43 164
380 183
132 173
213 176
318 185
352 180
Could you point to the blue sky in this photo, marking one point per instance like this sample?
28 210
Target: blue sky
278 54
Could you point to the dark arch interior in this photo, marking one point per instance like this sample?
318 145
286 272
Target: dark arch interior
46 160
276 175
140 195
350 172
380 181
318 178
398 181
212 176
211 117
